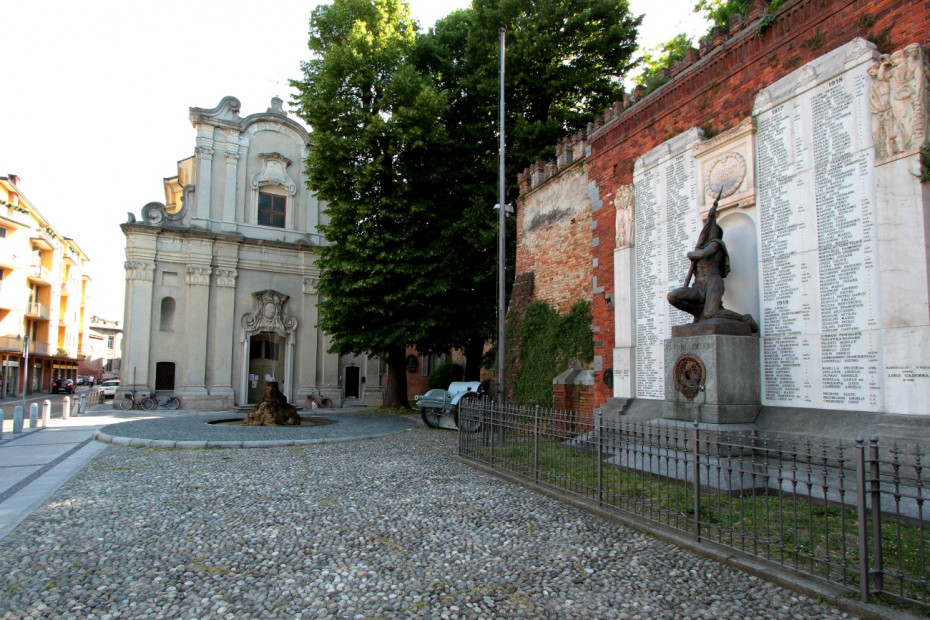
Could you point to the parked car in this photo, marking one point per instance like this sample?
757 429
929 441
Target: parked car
109 388
80 380
62 385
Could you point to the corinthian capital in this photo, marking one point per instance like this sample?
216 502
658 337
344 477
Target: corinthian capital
199 275
139 270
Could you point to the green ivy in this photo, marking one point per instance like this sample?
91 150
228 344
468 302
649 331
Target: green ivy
548 345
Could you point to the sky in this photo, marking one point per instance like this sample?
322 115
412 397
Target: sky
95 113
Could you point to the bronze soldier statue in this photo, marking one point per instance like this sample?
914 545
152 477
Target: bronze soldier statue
710 264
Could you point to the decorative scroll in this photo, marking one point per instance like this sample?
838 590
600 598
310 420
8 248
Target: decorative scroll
898 101
269 315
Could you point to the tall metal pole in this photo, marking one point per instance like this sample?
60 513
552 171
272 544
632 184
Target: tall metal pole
501 245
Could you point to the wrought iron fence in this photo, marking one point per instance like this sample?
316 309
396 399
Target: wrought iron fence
845 512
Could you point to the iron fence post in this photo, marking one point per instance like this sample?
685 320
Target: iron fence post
863 521
875 490
536 443
599 423
697 481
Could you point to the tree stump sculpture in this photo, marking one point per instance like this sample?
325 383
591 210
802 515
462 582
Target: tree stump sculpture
273 410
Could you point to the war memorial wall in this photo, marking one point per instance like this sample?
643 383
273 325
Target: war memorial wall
824 221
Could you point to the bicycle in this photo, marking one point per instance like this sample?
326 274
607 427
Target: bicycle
131 402
153 402
315 398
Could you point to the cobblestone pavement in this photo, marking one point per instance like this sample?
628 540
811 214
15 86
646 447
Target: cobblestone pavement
391 527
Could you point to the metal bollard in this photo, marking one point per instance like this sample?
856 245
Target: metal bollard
83 403
66 408
18 419
1 423
46 413
75 407
34 415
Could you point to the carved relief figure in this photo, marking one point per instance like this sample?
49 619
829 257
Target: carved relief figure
897 101
623 201
710 264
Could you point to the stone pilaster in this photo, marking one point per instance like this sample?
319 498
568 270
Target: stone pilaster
229 192
196 329
308 350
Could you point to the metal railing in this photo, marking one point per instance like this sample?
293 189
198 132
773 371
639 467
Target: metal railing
843 512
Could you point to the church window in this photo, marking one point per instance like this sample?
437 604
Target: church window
271 210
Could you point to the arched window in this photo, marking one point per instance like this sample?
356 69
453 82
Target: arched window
167 314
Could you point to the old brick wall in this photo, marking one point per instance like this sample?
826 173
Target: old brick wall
713 89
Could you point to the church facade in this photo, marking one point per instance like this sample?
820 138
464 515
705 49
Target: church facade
221 278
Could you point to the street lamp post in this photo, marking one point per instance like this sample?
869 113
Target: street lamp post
501 243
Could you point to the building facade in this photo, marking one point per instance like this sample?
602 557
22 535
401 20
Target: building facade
810 124
43 293
103 347
221 278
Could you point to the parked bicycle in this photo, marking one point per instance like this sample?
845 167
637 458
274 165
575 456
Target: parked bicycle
131 402
315 398
153 402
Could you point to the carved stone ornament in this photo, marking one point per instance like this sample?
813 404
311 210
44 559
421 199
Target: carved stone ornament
725 175
689 374
139 270
310 284
199 275
274 172
157 214
623 202
898 101
226 277
269 315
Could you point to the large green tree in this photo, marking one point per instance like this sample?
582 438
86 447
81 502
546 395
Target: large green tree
372 116
564 64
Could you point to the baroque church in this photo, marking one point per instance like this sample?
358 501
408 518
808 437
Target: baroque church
221 278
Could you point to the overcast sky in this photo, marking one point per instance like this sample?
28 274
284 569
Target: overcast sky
95 110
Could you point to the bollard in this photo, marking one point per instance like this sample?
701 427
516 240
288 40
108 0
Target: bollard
46 413
1 423
34 415
75 407
18 420
83 403
66 408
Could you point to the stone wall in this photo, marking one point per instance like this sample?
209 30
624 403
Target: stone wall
712 91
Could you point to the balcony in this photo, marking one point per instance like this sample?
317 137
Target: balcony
35 310
40 348
39 274
44 238
11 343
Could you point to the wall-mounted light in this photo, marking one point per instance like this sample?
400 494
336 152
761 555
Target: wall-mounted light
609 299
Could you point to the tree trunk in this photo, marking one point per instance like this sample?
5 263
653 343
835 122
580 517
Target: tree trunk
474 352
395 394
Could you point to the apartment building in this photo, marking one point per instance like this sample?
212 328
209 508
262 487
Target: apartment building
43 290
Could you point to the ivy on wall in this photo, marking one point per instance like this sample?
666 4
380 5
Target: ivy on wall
549 343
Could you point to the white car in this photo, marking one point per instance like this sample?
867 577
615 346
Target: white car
109 388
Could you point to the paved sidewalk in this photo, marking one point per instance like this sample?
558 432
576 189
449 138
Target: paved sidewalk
36 462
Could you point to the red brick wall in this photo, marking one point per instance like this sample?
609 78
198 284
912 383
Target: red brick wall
715 91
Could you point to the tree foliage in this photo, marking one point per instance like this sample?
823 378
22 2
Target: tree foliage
660 58
563 65
372 115
405 132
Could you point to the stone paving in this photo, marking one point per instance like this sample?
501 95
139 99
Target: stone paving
390 527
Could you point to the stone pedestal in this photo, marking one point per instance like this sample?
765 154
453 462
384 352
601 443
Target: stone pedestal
713 379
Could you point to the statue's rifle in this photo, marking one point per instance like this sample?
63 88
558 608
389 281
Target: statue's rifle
713 211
